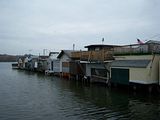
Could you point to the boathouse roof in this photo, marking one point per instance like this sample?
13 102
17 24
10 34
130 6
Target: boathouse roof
67 52
43 57
131 63
153 41
52 53
100 45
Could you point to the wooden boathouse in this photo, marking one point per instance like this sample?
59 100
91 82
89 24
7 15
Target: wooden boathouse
67 64
95 62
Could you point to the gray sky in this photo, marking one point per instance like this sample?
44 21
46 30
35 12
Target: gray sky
29 26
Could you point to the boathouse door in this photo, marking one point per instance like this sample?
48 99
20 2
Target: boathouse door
52 65
120 76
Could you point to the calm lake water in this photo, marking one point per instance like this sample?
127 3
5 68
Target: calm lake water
31 96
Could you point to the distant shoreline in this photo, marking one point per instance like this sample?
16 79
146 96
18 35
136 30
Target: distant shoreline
8 58
7 61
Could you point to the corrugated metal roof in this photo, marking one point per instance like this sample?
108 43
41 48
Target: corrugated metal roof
131 63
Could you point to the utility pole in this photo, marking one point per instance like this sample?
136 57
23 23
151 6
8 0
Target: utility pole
30 50
44 51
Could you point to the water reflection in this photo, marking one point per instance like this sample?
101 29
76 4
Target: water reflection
27 95
99 102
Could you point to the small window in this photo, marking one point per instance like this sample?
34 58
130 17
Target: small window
97 49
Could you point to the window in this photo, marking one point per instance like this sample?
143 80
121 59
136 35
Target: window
99 72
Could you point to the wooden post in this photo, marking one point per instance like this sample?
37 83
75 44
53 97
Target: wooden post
150 88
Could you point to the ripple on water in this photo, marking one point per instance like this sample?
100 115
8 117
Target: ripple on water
30 96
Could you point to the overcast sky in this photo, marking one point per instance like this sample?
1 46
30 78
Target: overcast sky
29 26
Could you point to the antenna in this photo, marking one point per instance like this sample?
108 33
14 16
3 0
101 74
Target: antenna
102 40
73 47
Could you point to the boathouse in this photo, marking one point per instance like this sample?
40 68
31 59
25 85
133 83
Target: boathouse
138 63
23 62
65 58
53 63
95 62
33 63
42 63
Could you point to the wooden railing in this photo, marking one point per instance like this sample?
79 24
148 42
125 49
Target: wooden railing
103 55
93 55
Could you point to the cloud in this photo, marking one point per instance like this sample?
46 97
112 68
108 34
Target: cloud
56 25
